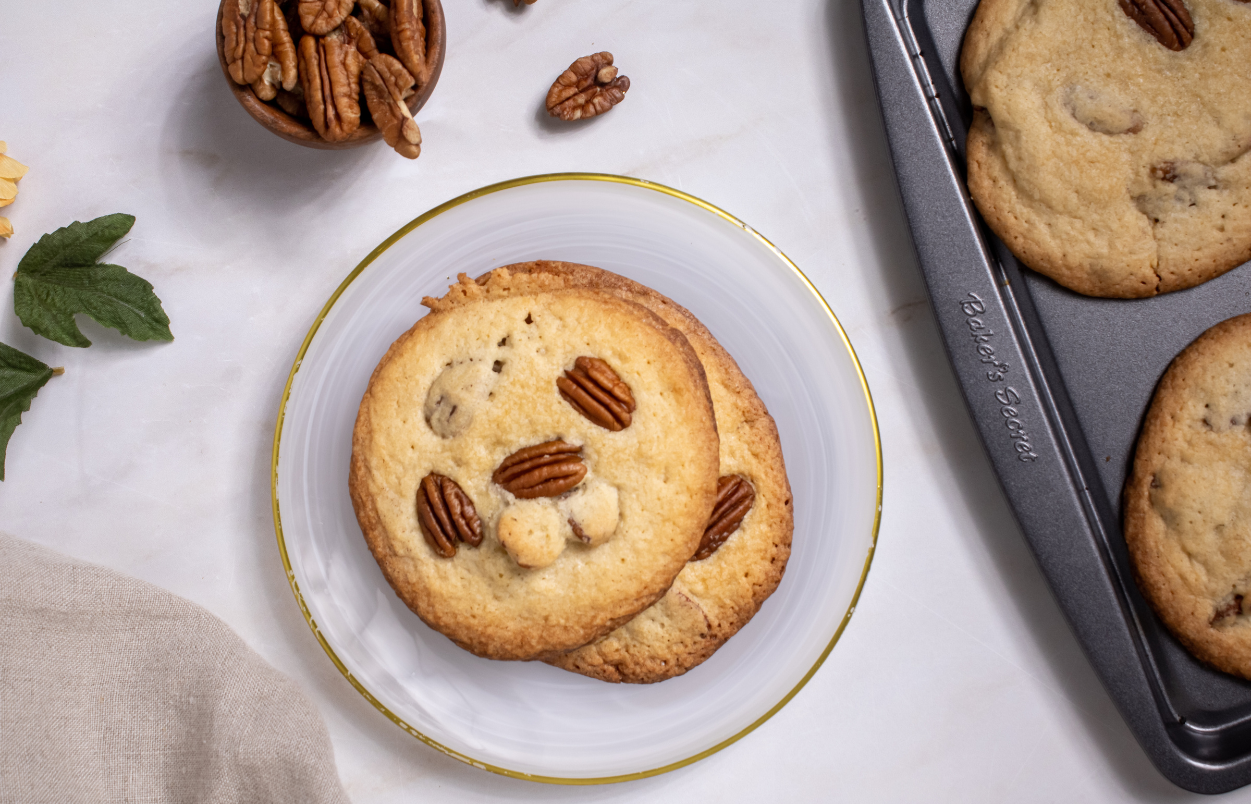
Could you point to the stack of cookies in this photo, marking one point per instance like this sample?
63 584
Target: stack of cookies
557 463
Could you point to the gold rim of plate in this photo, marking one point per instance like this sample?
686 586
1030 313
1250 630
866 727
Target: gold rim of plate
392 240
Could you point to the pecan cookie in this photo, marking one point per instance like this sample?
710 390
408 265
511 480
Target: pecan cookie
533 465
747 540
1109 140
1188 499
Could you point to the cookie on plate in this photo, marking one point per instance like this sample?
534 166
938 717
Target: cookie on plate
748 540
1109 141
533 465
1188 499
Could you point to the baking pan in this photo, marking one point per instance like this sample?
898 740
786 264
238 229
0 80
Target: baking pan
1057 384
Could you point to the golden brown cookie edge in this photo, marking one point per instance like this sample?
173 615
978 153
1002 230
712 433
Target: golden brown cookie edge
1186 616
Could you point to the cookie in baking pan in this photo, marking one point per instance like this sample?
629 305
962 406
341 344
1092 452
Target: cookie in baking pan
1188 499
533 465
1109 141
748 538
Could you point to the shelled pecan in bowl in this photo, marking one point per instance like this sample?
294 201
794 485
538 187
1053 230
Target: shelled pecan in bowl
330 71
302 67
386 82
320 17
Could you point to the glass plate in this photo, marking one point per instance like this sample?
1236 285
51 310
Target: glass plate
527 719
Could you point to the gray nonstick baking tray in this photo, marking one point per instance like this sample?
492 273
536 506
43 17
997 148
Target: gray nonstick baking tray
1057 384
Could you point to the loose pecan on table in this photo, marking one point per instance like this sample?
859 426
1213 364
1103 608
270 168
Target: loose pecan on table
1167 20
543 470
735 497
595 391
446 515
330 70
589 87
385 82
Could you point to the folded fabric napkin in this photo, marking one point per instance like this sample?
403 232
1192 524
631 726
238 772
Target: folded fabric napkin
113 690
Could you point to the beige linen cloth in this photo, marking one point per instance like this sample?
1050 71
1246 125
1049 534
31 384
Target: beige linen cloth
112 690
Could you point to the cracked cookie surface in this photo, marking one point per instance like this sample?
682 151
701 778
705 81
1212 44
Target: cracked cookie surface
1188 498
472 386
1103 159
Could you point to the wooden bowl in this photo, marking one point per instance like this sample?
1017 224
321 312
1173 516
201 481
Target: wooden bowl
302 133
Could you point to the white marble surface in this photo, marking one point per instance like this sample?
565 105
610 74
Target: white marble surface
957 678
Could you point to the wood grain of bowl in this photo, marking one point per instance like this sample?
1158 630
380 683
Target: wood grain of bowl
303 133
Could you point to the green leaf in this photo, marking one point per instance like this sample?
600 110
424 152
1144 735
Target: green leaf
21 377
59 277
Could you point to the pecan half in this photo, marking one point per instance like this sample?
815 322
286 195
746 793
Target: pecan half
735 497
595 391
1167 20
235 17
258 46
543 470
408 37
239 30
358 33
320 17
330 69
589 87
446 515
273 46
385 81
527 2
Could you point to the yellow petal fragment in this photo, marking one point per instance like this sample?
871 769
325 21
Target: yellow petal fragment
6 228
4 146
8 191
10 168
